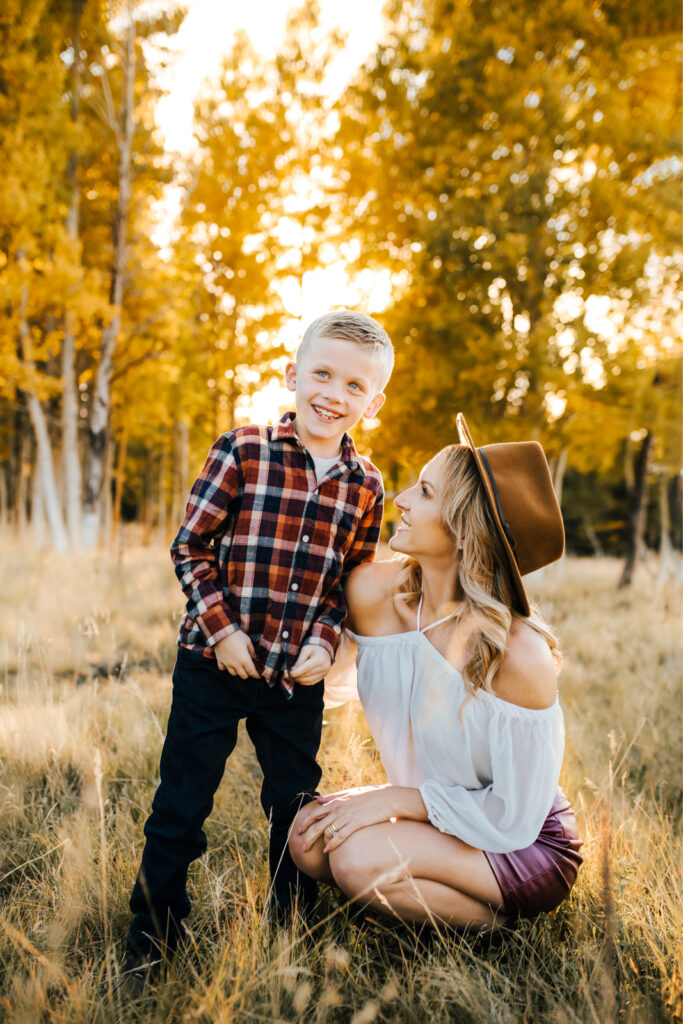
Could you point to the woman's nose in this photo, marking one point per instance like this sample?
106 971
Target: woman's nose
401 502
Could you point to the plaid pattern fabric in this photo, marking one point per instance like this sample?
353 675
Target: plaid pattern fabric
264 548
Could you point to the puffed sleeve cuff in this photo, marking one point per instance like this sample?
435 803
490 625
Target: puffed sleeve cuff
341 683
508 813
323 635
216 623
467 822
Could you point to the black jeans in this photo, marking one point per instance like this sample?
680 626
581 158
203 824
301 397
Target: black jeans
207 706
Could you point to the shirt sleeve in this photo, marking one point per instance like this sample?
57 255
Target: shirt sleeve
194 550
341 682
506 815
326 629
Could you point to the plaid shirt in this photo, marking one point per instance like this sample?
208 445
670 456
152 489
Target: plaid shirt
264 548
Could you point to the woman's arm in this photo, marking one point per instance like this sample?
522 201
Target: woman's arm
527 676
339 815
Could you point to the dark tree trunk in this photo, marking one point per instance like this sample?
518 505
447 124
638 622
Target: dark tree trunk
4 505
181 472
21 474
668 560
675 510
162 489
638 502
15 462
148 503
119 480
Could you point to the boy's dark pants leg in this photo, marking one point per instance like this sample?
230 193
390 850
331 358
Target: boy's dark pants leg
207 706
286 740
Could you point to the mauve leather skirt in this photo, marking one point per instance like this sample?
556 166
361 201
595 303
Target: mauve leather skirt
538 878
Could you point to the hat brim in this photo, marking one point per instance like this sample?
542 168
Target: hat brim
522 602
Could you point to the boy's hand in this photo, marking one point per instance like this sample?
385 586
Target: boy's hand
235 654
311 666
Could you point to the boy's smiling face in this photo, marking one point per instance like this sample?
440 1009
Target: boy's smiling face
336 382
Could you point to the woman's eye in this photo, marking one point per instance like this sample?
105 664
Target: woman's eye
424 490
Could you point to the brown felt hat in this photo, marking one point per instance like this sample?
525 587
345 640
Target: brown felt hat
517 482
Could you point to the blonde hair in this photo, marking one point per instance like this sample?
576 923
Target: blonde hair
356 327
484 586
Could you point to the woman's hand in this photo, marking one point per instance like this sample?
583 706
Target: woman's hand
339 815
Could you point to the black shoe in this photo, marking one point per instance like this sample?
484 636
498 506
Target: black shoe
140 974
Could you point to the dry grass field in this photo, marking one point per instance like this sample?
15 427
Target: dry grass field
85 653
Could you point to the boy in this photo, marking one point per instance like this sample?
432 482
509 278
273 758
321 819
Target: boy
278 516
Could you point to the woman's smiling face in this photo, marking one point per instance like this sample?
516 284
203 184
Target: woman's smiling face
421 531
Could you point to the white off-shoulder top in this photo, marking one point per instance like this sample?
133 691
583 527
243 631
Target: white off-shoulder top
488 775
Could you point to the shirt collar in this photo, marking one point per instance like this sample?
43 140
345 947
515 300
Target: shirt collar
284 431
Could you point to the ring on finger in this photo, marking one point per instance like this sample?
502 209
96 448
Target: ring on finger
332 830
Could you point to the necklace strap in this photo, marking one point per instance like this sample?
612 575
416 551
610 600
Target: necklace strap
431 624
437 623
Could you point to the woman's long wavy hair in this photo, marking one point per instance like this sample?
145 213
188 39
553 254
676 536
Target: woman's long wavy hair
484 589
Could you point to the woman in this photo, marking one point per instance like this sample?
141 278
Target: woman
457 676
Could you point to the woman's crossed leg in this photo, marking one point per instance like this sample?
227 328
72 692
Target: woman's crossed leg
409 870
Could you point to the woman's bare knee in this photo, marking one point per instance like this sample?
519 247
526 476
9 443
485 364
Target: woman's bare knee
296 849
312 861
353 868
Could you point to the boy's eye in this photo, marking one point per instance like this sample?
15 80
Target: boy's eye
321 373
353 384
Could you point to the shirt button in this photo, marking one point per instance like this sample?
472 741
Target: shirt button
305 538
285 634
295 586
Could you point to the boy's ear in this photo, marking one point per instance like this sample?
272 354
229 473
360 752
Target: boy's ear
290 376
374 407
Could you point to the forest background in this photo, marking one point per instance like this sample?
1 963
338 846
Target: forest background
498 183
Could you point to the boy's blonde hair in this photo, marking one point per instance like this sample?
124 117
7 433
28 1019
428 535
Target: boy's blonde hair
357 327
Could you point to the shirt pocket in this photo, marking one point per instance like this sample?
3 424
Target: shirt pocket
346 528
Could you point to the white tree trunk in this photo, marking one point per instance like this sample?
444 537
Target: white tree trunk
558 479
70 460
46 474
70 406
44 461
99 417
598 549
38 511
106 503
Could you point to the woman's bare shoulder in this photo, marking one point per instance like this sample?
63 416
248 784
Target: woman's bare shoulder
369 588
527 676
